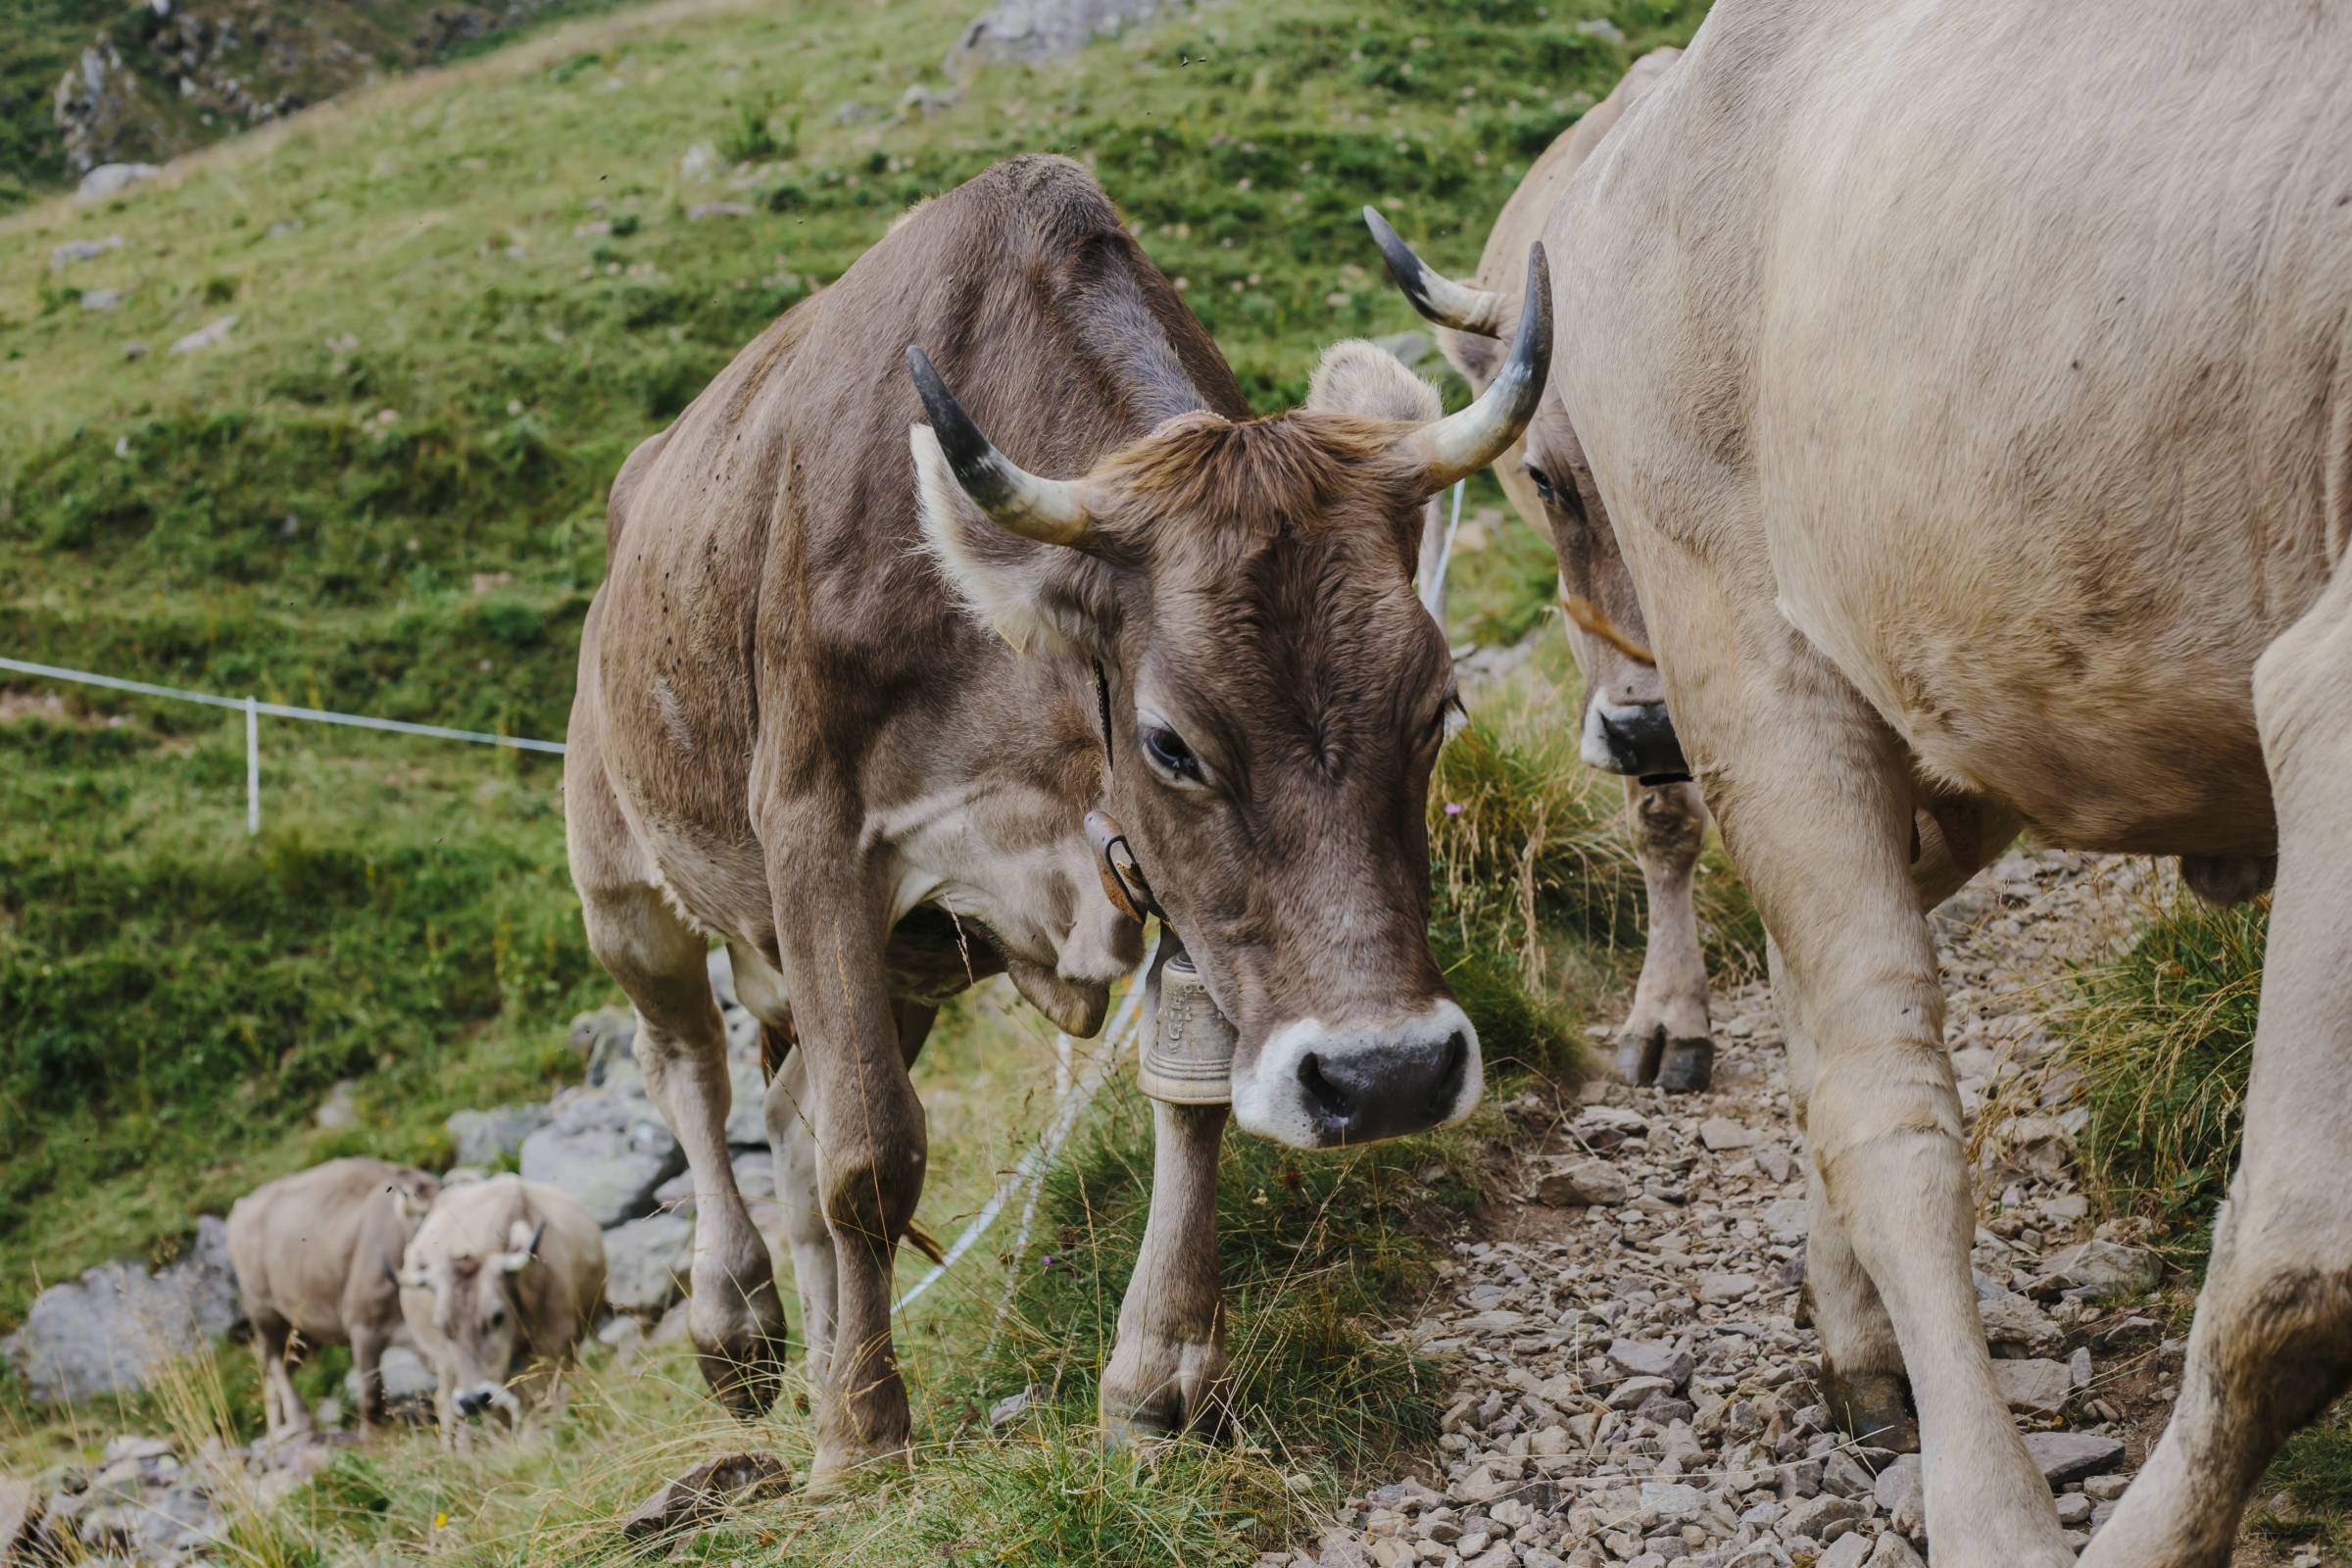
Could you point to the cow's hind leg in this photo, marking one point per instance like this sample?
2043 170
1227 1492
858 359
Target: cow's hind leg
733 1316
1167 1369
282 1407
1666 1037
1816 808
368 1364
1863 1384
2272 1339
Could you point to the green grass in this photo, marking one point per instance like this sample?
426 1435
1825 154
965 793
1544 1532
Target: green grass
2163 1040
179 997
2163 1037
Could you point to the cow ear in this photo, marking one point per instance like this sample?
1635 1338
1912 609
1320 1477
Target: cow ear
413 1204
1360 377
1054 597
1477 357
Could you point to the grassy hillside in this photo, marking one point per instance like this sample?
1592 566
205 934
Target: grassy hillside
2163 1040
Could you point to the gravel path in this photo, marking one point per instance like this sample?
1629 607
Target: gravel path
1637 1386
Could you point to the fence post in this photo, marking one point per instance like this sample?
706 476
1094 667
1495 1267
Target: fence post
253 769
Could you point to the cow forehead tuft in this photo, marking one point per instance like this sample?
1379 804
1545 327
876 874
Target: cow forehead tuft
1299 470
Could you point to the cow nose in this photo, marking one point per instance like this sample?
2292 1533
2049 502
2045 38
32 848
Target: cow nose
1636 738
473 1401
1316 1085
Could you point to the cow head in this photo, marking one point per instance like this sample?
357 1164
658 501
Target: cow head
477 1315
1625 728
1277 696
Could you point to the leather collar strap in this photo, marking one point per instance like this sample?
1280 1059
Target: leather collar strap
1123 878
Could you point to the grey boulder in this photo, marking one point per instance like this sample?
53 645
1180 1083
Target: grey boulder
2066 1456
608 1151
647 1263
487 1138
1028 32
116 1326
2104 1268
109 178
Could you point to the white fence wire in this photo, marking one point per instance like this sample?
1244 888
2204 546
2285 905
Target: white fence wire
254 708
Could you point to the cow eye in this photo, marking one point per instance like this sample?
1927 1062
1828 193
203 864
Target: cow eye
497 1315
1565 499
1170 755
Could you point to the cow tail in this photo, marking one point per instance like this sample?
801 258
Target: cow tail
921 1242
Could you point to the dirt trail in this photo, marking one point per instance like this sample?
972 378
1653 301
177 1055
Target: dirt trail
1635 1385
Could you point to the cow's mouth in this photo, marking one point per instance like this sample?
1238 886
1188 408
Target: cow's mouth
1323 1086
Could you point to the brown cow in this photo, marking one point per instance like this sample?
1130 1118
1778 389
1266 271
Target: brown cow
848 713
316 1254
1666 1038
499 1284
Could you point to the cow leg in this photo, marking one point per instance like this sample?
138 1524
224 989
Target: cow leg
1666 1037
283 1407
800 1180
1862 1378
452 1428
2272 1344
868 1126
734 1317
791 1109
1816 806
1167 1368
368 1361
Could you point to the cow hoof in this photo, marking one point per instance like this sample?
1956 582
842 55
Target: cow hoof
745 1373
1689 1067
1874 1408
1159 1420
837 1459
1638 1058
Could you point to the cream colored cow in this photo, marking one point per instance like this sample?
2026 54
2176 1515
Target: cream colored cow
1970 385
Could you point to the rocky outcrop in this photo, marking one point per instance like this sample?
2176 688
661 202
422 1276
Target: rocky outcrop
109 1330
171 75
1029 32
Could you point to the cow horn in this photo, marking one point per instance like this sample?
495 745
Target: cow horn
1050 511
1461 444
1439 298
